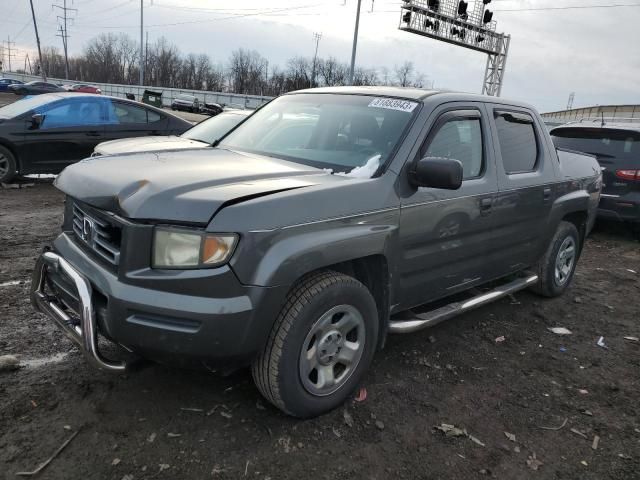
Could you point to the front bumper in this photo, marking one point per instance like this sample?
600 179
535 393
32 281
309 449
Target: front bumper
175 317
82 331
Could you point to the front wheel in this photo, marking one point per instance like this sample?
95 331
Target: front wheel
7 165
558 264
320 346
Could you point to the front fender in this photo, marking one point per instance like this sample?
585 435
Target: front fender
281 257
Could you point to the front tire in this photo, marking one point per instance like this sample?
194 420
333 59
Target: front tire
8 166
558 264
320 346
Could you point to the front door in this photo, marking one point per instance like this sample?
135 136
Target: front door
444 232
69 131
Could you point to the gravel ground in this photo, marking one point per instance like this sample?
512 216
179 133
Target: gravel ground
531 404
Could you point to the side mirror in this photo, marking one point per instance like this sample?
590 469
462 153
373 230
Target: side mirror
36 120
436 172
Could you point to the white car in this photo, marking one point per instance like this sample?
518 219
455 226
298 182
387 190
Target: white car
202 135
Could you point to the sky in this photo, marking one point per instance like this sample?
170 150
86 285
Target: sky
594 52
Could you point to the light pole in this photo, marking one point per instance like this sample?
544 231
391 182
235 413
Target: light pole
355 44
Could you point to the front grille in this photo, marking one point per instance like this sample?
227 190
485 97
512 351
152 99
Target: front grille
98 234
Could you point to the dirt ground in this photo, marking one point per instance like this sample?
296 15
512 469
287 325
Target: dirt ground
552 393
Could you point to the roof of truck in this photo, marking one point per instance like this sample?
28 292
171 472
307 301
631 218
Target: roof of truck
399 92
412 93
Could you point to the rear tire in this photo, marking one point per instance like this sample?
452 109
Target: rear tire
556 267
8 165
328 325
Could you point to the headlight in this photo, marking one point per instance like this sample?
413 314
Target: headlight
181 248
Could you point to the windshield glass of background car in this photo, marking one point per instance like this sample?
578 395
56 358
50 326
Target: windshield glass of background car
213 128
607 143
20 107
340 132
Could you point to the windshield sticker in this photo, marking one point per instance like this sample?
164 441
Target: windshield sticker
393 104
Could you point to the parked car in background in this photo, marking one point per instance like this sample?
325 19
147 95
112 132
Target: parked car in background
186 103
6 82
312 230
45 133
204 134
35 88
617 148
209 108
84 88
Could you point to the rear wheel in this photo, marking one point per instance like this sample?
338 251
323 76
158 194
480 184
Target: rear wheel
320 346
558 264
7 165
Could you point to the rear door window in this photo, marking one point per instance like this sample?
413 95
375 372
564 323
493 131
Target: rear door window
124 113
518 143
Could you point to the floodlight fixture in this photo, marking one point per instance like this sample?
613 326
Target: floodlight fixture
458 23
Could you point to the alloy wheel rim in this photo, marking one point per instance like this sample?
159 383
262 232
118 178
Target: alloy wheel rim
332 350
565 260
4 165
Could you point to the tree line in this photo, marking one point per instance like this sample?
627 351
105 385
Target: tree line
114 58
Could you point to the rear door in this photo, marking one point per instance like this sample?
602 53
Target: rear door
70 130
444 233
129 120
527 172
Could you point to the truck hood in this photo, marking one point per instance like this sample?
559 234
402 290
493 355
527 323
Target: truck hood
147 144
187 186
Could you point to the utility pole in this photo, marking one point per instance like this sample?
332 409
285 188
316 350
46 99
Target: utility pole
35 26
316 38
9 54
141 42
146 53
64 33
355 44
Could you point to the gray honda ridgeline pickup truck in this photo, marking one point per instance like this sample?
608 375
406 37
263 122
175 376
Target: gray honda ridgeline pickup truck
326 220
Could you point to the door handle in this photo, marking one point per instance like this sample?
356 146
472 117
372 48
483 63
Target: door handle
546 194
93 134
485 206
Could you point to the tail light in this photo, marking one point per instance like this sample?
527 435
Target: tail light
628 174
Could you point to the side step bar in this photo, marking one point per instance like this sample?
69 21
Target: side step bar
429 319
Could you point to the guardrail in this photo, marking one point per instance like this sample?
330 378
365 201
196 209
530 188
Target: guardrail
168 94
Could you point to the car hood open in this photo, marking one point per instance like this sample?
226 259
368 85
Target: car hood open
147 144
187 186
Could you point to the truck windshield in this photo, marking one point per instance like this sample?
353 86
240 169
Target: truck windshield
338 132
605 143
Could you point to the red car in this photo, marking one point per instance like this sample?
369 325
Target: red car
82 88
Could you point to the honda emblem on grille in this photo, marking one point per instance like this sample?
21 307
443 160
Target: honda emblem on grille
87 230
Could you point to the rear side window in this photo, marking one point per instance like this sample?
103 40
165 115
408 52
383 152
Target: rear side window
517 138
153 116
459 139
125 113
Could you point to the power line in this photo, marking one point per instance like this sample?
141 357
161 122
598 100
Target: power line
543 9
230 17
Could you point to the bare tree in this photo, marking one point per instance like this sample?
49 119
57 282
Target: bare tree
404 74
112 58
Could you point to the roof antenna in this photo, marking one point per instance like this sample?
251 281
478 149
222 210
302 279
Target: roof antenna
602 116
